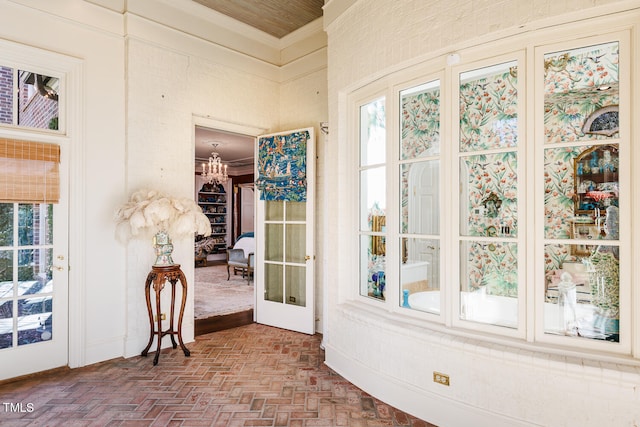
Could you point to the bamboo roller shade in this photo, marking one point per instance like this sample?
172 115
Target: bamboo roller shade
29 171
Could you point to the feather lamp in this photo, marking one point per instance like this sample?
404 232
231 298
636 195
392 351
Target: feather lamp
152 214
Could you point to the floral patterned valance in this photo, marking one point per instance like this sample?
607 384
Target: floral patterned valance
282 168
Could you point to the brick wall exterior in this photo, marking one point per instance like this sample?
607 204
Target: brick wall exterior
35 110
6 95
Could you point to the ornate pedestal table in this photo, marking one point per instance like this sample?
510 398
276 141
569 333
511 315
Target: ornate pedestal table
159 276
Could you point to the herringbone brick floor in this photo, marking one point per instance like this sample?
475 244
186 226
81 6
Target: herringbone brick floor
253 375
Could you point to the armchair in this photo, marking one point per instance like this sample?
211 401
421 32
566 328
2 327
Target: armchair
241 256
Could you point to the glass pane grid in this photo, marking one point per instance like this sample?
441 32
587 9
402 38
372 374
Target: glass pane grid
582 193
488 201
26 281
372 195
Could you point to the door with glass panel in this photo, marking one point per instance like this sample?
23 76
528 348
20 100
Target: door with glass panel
284 235
33 259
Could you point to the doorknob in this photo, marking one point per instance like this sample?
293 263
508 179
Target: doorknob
57 268
307 258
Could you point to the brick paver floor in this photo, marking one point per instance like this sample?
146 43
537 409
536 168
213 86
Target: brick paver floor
253 375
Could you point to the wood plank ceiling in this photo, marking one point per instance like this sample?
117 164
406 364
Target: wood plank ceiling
275 17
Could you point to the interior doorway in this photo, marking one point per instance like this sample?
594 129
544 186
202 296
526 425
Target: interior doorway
223 297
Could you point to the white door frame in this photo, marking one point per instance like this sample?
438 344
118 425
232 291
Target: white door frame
70 70
242 129
281 314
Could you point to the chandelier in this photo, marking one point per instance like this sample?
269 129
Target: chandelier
214 172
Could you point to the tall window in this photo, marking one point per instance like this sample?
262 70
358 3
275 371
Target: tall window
583 197
419 176
488 196
373 201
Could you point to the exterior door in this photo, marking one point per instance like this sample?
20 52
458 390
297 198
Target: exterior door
34 284
285 230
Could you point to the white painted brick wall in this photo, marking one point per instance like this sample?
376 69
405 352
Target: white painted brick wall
304 104
371 38
165 89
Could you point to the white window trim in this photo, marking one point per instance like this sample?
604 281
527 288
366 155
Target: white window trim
531 336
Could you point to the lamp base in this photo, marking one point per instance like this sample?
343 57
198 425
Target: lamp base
164 248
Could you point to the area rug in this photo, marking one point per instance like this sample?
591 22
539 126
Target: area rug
215 295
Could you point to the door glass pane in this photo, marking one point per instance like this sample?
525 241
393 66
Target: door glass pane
581 94
296 285
420 121
274 210
6 224
274 247
295 243
489 107
273 282
489 283
296 211
34 271
419 274
35 224
34 320
6 273
373 279
6 324
420 209
372 133
582 291
488 199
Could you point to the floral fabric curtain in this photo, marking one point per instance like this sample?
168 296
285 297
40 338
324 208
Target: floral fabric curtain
282 168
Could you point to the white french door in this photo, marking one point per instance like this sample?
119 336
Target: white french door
34 284
284 275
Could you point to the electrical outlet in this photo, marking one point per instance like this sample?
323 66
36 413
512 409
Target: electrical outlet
163 316
440 378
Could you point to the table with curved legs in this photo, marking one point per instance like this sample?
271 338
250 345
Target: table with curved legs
158 277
